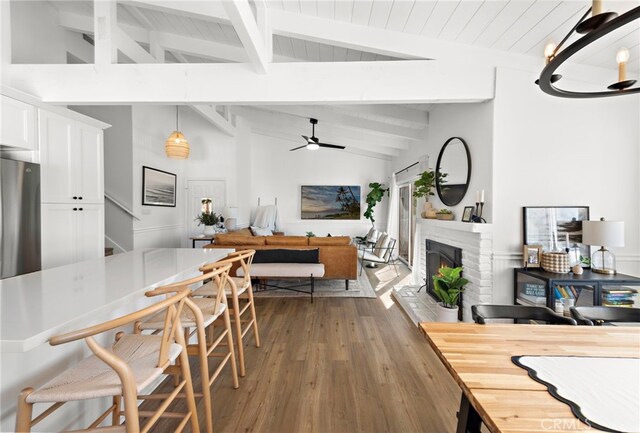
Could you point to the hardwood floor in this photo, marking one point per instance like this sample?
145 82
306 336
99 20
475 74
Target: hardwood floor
337 365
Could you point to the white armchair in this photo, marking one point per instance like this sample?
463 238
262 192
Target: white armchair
381 252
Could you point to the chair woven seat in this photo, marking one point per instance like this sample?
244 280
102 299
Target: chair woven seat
109 429
92 378
206 305
211 288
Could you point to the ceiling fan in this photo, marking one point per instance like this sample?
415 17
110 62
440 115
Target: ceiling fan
313 143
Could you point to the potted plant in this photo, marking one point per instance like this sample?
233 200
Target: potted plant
374 197
448 285
444 214
424 188
209 220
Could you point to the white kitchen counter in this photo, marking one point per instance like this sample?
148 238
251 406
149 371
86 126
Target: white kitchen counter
36 306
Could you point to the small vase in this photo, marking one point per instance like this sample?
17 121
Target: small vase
428 211
209 230
447 315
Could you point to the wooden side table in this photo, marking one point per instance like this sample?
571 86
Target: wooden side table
195 239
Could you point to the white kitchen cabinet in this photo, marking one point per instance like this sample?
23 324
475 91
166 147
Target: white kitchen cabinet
71 156
18 120
71 233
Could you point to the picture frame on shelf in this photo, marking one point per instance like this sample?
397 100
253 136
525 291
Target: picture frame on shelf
557 229
532 256
467 214
158 187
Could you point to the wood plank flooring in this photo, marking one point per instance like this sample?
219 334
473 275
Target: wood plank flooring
337 365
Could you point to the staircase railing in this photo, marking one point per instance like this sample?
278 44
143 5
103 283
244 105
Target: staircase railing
120 205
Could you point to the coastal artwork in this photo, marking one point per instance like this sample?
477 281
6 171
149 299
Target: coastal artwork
158 188
330 202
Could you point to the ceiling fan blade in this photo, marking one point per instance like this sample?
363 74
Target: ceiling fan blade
296 148
331 146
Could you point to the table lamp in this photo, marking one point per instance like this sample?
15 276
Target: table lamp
231 217
603 233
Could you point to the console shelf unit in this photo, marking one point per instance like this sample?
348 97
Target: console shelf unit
538 287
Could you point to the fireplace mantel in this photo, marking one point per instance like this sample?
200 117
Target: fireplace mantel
457 225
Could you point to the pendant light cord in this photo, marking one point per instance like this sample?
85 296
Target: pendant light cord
177 129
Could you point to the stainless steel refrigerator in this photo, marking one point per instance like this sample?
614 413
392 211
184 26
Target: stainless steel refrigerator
19 218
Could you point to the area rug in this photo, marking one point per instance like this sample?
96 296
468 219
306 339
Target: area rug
360 288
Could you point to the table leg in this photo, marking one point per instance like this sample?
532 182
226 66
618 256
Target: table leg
468 419
193 243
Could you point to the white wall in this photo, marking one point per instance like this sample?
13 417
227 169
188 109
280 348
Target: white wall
554 151
277 172
474 124
36 36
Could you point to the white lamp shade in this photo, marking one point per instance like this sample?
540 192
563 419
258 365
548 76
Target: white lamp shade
231 212
603 233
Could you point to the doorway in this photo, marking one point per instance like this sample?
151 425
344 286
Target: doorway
199 192
406 223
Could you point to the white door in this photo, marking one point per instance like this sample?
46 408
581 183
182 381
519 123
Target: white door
58 159
89 173
59 239
90 231
197 190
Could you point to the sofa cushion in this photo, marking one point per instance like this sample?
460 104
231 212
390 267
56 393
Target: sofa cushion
287 240
333 240
232 239
287 256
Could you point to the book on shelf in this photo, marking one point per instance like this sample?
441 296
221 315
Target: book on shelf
535 300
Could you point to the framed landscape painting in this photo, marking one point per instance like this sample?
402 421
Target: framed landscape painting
558 228
158 187
330 202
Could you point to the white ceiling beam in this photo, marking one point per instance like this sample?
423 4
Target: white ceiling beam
105 29
207 10
84 24
302 83
246 27
157 50
78 47
326 116
132 49
139 16
266 119
210 113
180 57
264 25
416 118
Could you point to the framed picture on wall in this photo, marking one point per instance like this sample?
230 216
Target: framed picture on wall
339 202
558 228
158 187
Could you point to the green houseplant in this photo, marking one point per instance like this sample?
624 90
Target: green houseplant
444 214
448 284
424 187
374 197
209 220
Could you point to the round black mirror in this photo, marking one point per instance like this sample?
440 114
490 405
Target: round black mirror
453 171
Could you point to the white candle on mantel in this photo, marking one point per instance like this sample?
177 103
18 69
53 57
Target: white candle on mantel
477 196
482 196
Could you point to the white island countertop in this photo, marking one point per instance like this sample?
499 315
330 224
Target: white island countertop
36 306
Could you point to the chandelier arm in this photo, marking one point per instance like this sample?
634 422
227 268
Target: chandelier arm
572 31
564 55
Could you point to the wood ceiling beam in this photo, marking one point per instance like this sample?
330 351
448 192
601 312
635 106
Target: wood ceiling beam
326 116
247 29
303 83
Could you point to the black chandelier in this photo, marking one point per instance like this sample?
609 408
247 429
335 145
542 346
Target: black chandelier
593 28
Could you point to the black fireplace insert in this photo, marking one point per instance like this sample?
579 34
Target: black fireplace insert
437 256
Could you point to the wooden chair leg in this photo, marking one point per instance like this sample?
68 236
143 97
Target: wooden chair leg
115 414
236 318
188 387
234 369
204 377
252 310
25 412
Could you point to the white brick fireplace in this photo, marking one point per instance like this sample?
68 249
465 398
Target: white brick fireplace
476 243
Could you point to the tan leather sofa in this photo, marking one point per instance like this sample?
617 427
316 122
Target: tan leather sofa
337 253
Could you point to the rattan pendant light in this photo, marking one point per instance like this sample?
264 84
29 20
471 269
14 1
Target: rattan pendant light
177 146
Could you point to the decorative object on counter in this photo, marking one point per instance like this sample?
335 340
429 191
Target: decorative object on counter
598 25
321 202
232 217
557 228
454 164
209 220
577 269
177 146
603 233
448 285
477 217
158 187
467 214
374 197
555 262
444 214
424 188
532 256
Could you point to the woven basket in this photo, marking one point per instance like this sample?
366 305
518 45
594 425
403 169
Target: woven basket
555 262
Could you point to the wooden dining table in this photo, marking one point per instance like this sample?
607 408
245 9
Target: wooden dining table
500 394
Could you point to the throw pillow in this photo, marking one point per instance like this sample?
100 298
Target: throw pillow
382 243
287 256
261 231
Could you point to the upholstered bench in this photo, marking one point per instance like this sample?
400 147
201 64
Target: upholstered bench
284 264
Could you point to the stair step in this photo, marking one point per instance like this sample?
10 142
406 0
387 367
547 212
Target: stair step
108 252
